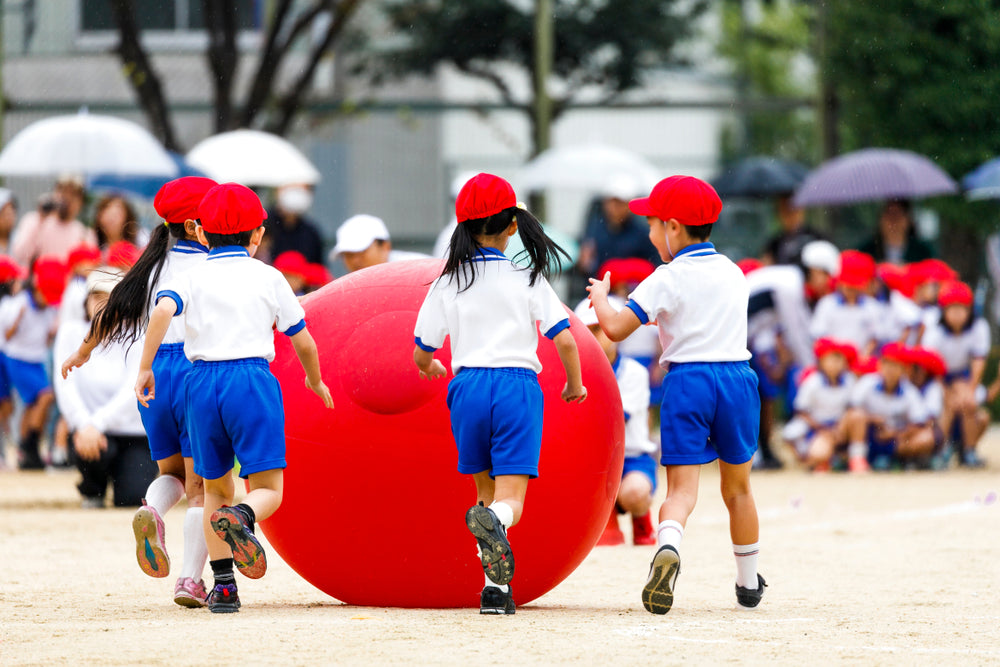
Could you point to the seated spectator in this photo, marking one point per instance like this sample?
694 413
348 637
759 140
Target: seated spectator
901 318
363 240
850 314
927 368
926 277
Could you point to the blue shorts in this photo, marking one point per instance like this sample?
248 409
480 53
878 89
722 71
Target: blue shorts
28 378
710 410
164 419
4 378
234 409
496 418
879 448
643 463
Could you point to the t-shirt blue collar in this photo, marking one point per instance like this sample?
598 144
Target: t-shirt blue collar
228 251
488 254
697 250
186 246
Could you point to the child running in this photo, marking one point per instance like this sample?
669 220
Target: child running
173 249
232 401
490 307
710 409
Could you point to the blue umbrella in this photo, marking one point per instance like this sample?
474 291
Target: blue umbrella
760 176
983 182
143 186
873 174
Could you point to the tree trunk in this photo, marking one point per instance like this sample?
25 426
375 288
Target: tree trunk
220 23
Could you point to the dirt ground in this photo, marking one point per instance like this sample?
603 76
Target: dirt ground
894 568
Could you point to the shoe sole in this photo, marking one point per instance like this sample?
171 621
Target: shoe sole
188 600
495 611
150 553
224 608
248 555
658 593
497 558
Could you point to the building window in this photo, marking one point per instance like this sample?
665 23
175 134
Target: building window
159 20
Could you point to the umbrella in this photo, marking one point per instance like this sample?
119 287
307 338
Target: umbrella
143 186
85 144
252 157
760 176
984 181
587 167
873 174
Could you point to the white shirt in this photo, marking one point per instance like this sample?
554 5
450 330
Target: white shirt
492 324
231 302
181 257
958 350
824 402
932 394
31 340
73 304
898 314
101 392
699 303
633 385
899 408
778 300
856 323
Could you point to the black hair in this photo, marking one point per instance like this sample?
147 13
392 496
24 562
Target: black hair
123 319
699 233
130 230
216 240
542 251
970 319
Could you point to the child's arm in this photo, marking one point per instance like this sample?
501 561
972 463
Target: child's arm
10 331
159 321
430 367
574 391
80 356
308 354
616 325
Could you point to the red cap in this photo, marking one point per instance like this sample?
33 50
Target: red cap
930 270
317 275
292 262
626 270
10 270
83 253
954 292
231 208
929 360
483 195
897 352
824 346
177 201
865 366
857 269
50 278
896 278
686 199
122 255
749 264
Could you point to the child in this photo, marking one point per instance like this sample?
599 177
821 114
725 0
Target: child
82 260
490 307
711 409
10 277
635 494
293 267
850 314
232 401
964 341
173 249
901 317
927 367
27 323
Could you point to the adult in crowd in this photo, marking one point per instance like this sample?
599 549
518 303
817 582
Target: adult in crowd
363 240
896 239
115 220
53 231
786 246
288 228
8 218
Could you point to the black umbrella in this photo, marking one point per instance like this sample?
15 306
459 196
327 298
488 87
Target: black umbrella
760 176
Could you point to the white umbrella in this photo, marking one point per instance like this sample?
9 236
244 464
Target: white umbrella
251 157
587 167
85 144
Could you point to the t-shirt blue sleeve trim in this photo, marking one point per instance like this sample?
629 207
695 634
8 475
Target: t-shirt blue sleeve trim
637 309
295 328
557 328
627 416
170 294
423 346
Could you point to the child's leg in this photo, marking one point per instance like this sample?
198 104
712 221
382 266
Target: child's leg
266 488
856 423
218 492
915 442
744 528
635 495
195 551
682 494
485 487
509 492
820 449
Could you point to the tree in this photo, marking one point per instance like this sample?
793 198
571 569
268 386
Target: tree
600 45
289 26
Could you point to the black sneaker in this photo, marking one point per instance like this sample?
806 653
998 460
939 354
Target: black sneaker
495 601
747 597
497 558
223 599
233 527
658 593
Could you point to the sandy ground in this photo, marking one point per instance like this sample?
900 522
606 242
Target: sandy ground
896 568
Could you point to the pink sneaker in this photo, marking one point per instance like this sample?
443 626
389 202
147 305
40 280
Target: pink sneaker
190 593
150 547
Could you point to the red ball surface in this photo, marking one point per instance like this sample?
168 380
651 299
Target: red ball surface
373 510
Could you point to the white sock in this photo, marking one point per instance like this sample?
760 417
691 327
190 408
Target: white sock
195 551
504 513
669 532
857 450
164 492
746 564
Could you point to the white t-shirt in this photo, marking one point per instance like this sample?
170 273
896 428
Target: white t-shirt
898 314
231 302
699 303
492 324
824 402
932 394
73 304
857 323
633 385
181 257
899 408
31 340
778 301
958 350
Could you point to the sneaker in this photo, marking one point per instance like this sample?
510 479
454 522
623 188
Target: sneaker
29 460
748 597
497 558
642 530
612 535
881 464
92 503
495 601
189 593
150 547
224 599
658 593
233 527
858 464
970 459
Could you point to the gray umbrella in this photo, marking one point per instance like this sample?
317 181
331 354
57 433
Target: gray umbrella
760 176
873 174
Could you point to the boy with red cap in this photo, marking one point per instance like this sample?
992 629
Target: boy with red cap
10 277
230 303
850 314
711 409
927 368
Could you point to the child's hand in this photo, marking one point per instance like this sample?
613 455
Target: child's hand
145 382
321 390
75 360
576 394
89 443
435 370
600 287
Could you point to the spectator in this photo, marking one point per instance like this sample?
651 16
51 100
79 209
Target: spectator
896 239
363 240
8 218
850 313
927 367
115 220
53 231
294 268
786 247
288 228
901 317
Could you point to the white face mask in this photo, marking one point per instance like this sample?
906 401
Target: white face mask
295 200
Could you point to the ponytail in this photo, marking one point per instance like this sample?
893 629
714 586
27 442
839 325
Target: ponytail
543 251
